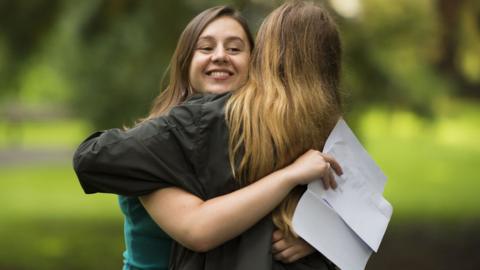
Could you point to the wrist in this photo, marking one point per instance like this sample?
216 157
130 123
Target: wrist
288 177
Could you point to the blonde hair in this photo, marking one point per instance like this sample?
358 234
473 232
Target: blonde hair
291 101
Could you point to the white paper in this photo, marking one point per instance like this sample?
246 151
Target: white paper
357 202
319 225
345 147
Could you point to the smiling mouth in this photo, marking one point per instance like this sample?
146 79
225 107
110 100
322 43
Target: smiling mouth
216 74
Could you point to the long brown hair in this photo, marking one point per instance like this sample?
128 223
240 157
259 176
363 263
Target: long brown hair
178 88
291 101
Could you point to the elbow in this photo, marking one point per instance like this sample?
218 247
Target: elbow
82 169
84 153
198 247
79 166
79 159
82 178
77 163
199 240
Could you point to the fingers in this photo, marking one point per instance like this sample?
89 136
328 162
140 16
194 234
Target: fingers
331 178
326 177
333 163
292 251
280 246
333 183
277 235
288 255
314 164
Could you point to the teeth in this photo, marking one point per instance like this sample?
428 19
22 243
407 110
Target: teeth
219 74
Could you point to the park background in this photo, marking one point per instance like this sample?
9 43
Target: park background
411 80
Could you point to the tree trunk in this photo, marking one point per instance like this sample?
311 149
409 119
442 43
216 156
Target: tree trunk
449 14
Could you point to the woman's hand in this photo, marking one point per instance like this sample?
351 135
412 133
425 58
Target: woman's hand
289 250
313 165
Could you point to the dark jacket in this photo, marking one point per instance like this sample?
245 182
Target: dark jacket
188 148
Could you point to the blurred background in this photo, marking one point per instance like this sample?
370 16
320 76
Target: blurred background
412 85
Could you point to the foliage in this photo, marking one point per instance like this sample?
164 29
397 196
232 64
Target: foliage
23 26
382 63
108 57
121 59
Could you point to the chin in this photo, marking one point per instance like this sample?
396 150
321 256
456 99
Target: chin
217 90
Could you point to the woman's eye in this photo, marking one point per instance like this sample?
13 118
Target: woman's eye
233 50
206 49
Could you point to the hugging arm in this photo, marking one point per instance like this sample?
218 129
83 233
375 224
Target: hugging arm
155 157
203 225
197 224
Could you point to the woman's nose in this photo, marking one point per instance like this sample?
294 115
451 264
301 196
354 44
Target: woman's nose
220 55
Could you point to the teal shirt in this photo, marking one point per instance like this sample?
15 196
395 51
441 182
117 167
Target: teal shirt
147 246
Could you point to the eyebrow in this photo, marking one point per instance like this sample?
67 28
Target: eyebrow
228 39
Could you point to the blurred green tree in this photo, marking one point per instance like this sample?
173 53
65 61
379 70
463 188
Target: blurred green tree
402 54
123 54
459 22
406 54
123 49
23 27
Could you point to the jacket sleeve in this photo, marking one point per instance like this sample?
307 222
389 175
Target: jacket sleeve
155 154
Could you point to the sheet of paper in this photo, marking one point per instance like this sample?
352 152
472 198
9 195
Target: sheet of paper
344 145
358 200
319 225
355 215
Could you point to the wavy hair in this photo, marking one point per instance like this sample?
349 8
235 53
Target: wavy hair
291 101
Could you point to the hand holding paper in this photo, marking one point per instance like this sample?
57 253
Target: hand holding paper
348 223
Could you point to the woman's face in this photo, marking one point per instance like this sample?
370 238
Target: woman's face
220 59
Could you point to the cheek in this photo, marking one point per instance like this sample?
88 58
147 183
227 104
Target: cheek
194 66
197 65
243 66
193 77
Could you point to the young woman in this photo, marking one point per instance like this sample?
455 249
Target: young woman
211 56
288 106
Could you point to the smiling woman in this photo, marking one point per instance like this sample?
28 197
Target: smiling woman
209 35
220 60
212 55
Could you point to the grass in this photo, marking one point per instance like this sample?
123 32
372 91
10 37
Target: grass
32 135
48 222
429 180
61 243
432 166
50 191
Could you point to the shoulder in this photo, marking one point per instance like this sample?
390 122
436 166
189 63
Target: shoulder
198 112
207 102
199 109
